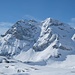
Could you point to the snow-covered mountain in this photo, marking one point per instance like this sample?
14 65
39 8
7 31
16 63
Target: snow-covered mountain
20 37
31 41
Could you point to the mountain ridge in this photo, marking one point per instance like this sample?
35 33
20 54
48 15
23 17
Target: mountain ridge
29 40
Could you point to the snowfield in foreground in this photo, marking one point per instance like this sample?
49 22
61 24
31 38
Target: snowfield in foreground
66 67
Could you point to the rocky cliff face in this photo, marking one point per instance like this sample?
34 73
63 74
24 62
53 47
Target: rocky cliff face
20 37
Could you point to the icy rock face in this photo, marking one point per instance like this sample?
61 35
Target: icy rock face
20 37
32 41
46 36
24 30
52 30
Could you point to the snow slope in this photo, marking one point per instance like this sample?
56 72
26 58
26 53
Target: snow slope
55 68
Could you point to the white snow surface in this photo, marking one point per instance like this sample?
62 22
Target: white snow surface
66 67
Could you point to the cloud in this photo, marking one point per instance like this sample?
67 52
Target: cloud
30 17
72 22
4 26
73 19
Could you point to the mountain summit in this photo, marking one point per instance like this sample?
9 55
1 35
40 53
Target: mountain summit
31 41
